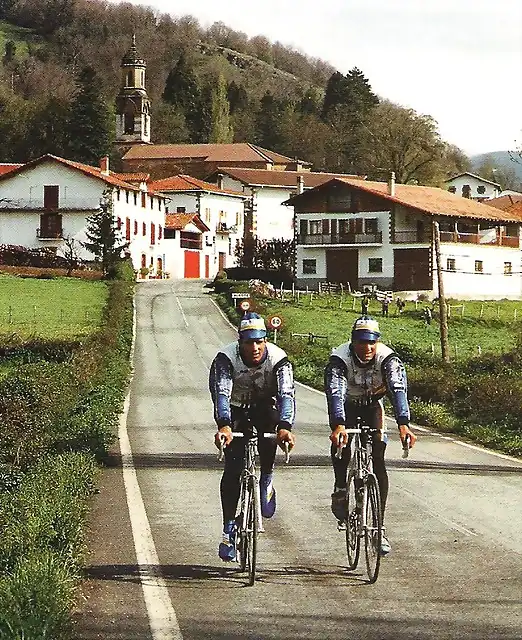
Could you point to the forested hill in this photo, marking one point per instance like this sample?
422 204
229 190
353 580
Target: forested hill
60 74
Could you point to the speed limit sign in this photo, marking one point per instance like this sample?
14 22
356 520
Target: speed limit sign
244 305
275 322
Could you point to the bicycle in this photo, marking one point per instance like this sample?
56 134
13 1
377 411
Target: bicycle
249 520
363 503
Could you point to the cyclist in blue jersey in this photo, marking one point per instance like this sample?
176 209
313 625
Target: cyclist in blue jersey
357 377
250 378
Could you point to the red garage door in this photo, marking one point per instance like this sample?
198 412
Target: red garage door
191 264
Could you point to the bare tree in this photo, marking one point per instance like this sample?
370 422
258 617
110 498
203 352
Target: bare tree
70 253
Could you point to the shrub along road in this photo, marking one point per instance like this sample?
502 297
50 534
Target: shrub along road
453 519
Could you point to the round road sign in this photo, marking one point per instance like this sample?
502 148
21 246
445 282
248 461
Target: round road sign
275 322
244 305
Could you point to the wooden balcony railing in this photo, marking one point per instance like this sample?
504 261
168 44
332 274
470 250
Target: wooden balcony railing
49 234
345 238
413 236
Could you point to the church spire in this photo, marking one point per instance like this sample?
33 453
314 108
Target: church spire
132 102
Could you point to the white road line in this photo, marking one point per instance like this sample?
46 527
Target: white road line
182 312
162 617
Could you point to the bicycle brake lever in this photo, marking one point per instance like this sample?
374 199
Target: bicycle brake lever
287 453
221 453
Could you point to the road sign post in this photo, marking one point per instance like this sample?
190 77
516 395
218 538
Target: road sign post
275 323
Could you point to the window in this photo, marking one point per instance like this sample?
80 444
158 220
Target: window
481 189
466 191
452 189
117 194
152 233
230 246
51 194
450 264
479 266
135 198
303 227
127 229
370 226
144 230
375 265
119 223
309 266
315 227
50 226
127 197
160 232
181 210
143 199
508 269
128 123
169 234
326 227
135 227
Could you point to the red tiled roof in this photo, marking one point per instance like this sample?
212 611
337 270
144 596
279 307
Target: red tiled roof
7 167
222 153
132 177
504 202
286 179
183 182
95 172
181 220
430 200
515 209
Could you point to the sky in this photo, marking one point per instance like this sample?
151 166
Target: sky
459 61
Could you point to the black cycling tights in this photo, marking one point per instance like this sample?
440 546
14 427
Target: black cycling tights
340 466
234 455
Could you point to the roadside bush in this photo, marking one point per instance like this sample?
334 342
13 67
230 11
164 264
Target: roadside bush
36 598
434 415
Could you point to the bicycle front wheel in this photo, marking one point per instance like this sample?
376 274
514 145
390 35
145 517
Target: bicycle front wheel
373 529
353 518
252 529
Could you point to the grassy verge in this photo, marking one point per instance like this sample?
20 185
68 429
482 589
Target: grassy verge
476 396
59 408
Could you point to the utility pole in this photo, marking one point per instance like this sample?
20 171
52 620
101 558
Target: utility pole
443 316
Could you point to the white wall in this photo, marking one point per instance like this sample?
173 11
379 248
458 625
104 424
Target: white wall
491 284
271 218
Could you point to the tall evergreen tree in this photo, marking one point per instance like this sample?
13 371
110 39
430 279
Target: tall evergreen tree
182 90
91 122
221 128
48 129
104 238
237 97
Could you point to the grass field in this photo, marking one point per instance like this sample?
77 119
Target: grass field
19 35
478 327
52 309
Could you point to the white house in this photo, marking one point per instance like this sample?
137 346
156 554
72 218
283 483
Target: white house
220 210
472 186
50 198
267 189
185 246
359 233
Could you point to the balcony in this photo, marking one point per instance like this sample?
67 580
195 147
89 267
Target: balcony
37 204
487 237
49 234
222 227
345 238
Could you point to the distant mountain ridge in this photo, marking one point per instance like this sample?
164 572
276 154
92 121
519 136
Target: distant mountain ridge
500 159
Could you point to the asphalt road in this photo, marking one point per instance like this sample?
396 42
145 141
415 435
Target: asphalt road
454 518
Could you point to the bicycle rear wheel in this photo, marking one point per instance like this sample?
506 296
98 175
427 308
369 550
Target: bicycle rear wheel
251 529
353 541
373 531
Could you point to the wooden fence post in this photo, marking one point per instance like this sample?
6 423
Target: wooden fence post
481 310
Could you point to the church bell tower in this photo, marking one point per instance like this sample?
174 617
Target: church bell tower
132 102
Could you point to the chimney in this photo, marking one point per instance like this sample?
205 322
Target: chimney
104 165
391 184
220 177
300 184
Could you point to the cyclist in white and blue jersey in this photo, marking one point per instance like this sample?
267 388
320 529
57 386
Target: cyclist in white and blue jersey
357 377
250 378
